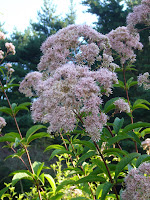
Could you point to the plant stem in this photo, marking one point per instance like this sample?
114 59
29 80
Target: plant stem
111 180
113 136
126 89
26 150
81 166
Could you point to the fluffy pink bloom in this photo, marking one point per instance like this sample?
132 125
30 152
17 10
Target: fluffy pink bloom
77 43
2 123
122 106
146 145
10 48
67 90
124 43
1 54
140 15
63 97
2 36
137 183
29 84
144 80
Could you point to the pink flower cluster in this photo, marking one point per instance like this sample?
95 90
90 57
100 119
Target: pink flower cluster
67 89
2 36
79 44
140 15
122 106
2 123
146 145
124 43
10 48
138 183
144 80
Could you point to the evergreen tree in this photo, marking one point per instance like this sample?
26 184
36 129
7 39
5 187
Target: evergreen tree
111 14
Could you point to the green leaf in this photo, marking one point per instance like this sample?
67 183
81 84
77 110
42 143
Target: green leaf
141 101
118 123
85 143
116 150
57 196
4 190
6 110
55 146
32 130
38 135
141 159
130 127
124 162
101 165
118 138
99 191
64 183
80 198
106 188
37 167
59 151
140 106
90 178
21 175
109 105
51 182
135 137
10 137
145 131
89 154
120 84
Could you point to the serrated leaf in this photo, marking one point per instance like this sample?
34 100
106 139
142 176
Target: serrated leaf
89 154
118 123
51 182
55 146
141 159
32 130
109 105
90 178
106 188
124 162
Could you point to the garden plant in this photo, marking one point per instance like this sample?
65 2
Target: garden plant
72 96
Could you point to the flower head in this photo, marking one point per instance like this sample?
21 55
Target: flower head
2 123
122 106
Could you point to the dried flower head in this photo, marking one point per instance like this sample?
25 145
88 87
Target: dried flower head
146 145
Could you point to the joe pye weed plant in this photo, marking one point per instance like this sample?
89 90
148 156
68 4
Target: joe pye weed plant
71 94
